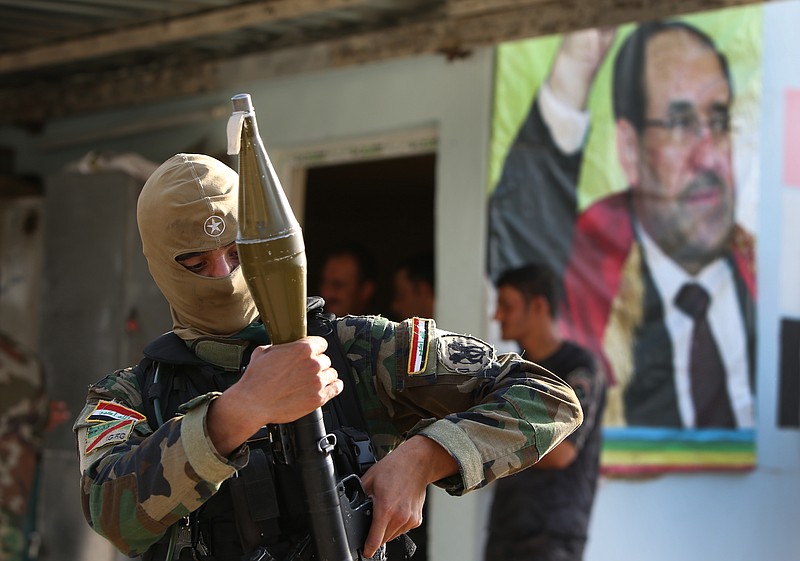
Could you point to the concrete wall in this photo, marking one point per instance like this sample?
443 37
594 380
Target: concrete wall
689 517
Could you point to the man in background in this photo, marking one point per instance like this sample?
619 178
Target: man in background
348 281
414 287
542 513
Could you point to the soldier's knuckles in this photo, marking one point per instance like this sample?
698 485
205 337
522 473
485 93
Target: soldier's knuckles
262 350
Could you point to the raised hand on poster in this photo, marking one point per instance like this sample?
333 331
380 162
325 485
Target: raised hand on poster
579 56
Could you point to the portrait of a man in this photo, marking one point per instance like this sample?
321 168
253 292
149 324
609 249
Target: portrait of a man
658 274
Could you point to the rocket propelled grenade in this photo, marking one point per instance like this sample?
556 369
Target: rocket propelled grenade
270 241
273 260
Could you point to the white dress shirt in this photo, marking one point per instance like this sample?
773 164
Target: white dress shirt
725 321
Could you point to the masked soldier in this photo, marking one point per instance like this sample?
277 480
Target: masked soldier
180 455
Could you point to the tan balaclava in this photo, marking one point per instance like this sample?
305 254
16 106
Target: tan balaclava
190 204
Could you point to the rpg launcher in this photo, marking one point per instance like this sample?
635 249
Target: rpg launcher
273 260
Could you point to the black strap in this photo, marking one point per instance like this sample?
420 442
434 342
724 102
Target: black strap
255 500
164 391
347 405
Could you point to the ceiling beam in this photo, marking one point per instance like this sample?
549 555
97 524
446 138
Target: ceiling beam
171 30
465 24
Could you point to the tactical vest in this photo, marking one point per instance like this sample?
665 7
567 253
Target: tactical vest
262 508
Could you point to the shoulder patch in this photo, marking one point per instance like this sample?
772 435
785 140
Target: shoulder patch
418 345
110 432
110 411
464 354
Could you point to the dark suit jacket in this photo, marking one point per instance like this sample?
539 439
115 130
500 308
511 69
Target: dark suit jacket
609 286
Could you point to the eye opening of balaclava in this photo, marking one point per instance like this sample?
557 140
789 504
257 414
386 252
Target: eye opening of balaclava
190 204
184 257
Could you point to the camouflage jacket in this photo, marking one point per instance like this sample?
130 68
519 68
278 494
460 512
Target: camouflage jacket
495 415
23 415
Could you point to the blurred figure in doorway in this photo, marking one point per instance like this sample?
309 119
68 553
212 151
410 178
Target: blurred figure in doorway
348 281
415 287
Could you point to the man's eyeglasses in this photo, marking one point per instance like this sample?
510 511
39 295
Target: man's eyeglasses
689 127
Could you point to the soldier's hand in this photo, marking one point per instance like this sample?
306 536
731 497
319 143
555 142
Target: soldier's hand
397 486
281 384
286 382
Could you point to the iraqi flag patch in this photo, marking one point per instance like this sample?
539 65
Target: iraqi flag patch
418 345
110 432
110 411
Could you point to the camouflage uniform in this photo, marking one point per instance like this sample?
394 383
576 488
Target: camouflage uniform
495 415
23 414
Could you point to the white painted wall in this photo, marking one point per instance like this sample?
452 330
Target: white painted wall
686 517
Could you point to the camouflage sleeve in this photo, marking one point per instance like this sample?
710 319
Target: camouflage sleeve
137 482
23 415
494 415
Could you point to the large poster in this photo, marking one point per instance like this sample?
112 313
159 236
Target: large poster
626 161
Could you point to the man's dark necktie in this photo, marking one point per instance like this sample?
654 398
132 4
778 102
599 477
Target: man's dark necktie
712 405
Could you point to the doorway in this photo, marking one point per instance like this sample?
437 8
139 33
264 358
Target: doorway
385 205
